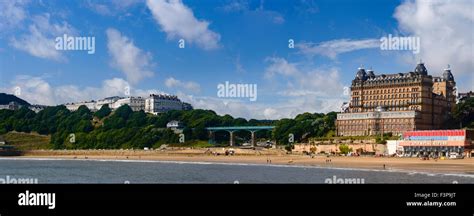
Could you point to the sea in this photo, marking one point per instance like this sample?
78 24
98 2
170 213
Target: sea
87 171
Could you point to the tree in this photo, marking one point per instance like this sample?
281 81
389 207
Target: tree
137 119
123 112
464 114
345 149
103 111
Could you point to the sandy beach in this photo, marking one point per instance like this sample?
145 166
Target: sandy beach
465 166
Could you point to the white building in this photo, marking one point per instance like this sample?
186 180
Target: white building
154 104
174 125
392 146
162 103
37 108
91 105
107 101
11 106
135 103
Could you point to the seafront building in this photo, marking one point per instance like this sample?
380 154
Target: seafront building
397 103
91 105
438 143
155 103
135 103
162 103
109 101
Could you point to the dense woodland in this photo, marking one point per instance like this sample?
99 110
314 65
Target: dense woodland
123 128
126 129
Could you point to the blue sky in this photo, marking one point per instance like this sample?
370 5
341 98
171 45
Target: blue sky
239 41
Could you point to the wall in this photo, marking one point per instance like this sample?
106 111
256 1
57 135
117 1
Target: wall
328 148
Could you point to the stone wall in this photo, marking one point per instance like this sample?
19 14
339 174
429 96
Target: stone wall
334 147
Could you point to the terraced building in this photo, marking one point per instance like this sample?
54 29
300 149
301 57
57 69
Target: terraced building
397 102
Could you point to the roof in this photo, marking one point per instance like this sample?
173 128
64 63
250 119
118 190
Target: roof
420 71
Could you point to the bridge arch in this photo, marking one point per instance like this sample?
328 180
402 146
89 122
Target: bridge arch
232 129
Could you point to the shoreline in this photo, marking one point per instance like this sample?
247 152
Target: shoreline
312 166
266 157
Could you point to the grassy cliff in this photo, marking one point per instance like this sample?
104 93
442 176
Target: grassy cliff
27 141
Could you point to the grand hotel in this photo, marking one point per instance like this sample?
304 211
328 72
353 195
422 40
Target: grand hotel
397 102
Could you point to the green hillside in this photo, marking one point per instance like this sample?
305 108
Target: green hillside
7 98
27 141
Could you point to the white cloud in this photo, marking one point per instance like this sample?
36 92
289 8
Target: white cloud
446 32
99 8
37 90
269 113
308 6
12 13
236 5
33 89
279 66
128 58
315 90
239 68
304 90
321 82
333 48
189 86
287 109
277 18
244 7
40 39
178 21
111 8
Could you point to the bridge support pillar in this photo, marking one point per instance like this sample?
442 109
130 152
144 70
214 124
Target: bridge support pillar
253 138
231 138
211 137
